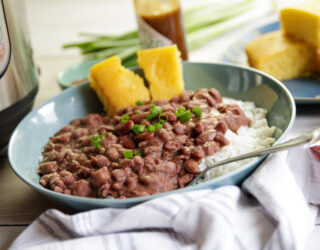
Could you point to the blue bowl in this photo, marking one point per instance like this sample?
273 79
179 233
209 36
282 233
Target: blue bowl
246 84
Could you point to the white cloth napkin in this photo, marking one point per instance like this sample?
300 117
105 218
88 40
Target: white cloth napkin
224 218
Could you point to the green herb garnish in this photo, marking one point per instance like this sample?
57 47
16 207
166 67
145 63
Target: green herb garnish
137 153
197 111
180 112
138 128
96 140
125 118
163 118
139 103
152 128
128 154
186 116
154 111
158 125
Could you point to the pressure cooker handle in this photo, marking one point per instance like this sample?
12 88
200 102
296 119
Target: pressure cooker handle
5 47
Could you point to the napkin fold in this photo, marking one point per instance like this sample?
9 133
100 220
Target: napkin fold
270 211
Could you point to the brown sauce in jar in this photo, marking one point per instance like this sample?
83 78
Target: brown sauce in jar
170 25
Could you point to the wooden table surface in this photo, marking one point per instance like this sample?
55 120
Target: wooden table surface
19 203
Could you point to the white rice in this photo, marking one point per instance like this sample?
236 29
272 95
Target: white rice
258 135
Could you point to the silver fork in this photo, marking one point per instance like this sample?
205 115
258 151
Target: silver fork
288 144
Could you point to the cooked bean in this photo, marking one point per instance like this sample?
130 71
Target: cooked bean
100 161
81 188
221 139
126 163
173 145
166 167
221 127
144 136
206 136
137 118
197 153
179 128
101 177
165 135
191 166
127 142
123 128
211 147
113 154
104 190
119 175
47 167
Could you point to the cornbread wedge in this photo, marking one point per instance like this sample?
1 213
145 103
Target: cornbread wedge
116 86
303 22
281 56
163 70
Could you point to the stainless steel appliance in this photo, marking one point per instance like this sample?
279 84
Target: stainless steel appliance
18 77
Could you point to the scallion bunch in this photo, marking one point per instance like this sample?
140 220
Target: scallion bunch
202 23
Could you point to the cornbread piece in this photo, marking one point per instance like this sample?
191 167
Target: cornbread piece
281 56
116 86
163 70
303 22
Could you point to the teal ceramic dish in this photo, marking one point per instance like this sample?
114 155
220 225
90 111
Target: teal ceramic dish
233 81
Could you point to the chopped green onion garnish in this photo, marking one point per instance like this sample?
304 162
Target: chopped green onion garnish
138 128
197 111
139 103
96 140
186 116
154 111
137 153
158 125
125 118
128 154
152 128
180 112
163 118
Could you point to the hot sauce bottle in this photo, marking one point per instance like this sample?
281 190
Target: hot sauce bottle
160 24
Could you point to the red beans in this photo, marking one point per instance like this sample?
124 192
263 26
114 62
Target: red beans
165 135
123 128
100 161
119 175
81 188
144 136
127 142
206 136
191 166
101 176
179 128
113 154
137 118
197 153
162 160
47 167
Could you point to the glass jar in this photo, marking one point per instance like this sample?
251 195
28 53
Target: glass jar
160 24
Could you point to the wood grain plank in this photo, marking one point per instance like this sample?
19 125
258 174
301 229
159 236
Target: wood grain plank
8 235
20 204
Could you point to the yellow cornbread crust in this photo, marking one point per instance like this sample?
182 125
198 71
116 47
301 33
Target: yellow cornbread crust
302 22
281 56
116 86
163 70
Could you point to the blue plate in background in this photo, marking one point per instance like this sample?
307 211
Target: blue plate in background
305 90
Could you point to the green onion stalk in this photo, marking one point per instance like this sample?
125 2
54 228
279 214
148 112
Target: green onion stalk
202 24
